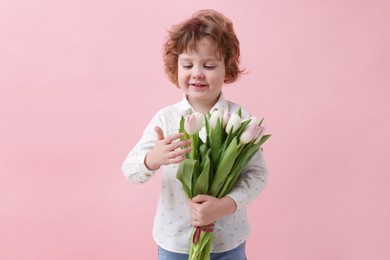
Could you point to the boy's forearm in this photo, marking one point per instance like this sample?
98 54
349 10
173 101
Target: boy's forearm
228 206
149 164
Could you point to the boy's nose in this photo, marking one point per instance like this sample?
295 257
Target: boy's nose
197 73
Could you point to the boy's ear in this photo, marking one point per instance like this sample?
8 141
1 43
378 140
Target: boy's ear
226 79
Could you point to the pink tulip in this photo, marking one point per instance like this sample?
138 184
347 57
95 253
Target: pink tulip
226 116
259 133
190 124
249 133
254 120
193 123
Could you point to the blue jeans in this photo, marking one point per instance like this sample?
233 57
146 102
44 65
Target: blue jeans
237 253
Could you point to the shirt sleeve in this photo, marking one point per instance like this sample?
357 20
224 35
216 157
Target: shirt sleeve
133 167
252 180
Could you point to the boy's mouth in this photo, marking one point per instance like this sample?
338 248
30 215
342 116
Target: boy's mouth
198 85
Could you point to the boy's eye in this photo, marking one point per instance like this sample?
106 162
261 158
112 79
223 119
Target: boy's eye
187 66
209 67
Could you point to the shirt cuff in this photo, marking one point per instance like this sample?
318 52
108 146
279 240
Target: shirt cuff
239 197
146 173
137 172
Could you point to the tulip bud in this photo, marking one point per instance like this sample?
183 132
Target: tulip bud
249 134
217 114
234 123
226 116
259 134
254 120
190 124
199 121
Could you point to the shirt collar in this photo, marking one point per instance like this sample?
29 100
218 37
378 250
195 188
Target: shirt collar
185 106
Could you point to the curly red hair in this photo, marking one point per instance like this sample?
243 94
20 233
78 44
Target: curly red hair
210 24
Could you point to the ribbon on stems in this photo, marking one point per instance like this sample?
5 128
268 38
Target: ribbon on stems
198 229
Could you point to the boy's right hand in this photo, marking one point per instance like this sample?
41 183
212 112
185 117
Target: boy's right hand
166 151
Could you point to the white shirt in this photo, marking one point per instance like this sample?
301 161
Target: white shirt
172 230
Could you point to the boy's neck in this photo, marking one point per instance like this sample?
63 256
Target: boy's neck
203 107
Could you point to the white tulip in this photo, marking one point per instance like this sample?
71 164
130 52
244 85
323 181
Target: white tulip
217 114
234 123
199 121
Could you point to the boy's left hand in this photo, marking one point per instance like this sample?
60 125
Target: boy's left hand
207 209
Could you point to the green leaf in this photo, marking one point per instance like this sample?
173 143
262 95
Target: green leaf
181 129
224 167
241 161
263 139
184 174
201 250
261 122
203 149
196 142
239 112
202 183
185 136
226 141
207 118
216 141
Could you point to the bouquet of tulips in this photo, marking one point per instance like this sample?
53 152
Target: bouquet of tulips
213 165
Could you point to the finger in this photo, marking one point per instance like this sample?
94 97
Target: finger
186 150
177 156
195 209
198 223
159 132
195 223
173 137
179 152
176 145
176 160
200 198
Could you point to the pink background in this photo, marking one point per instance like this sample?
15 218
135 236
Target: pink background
79 81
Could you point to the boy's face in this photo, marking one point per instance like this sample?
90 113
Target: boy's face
201 75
